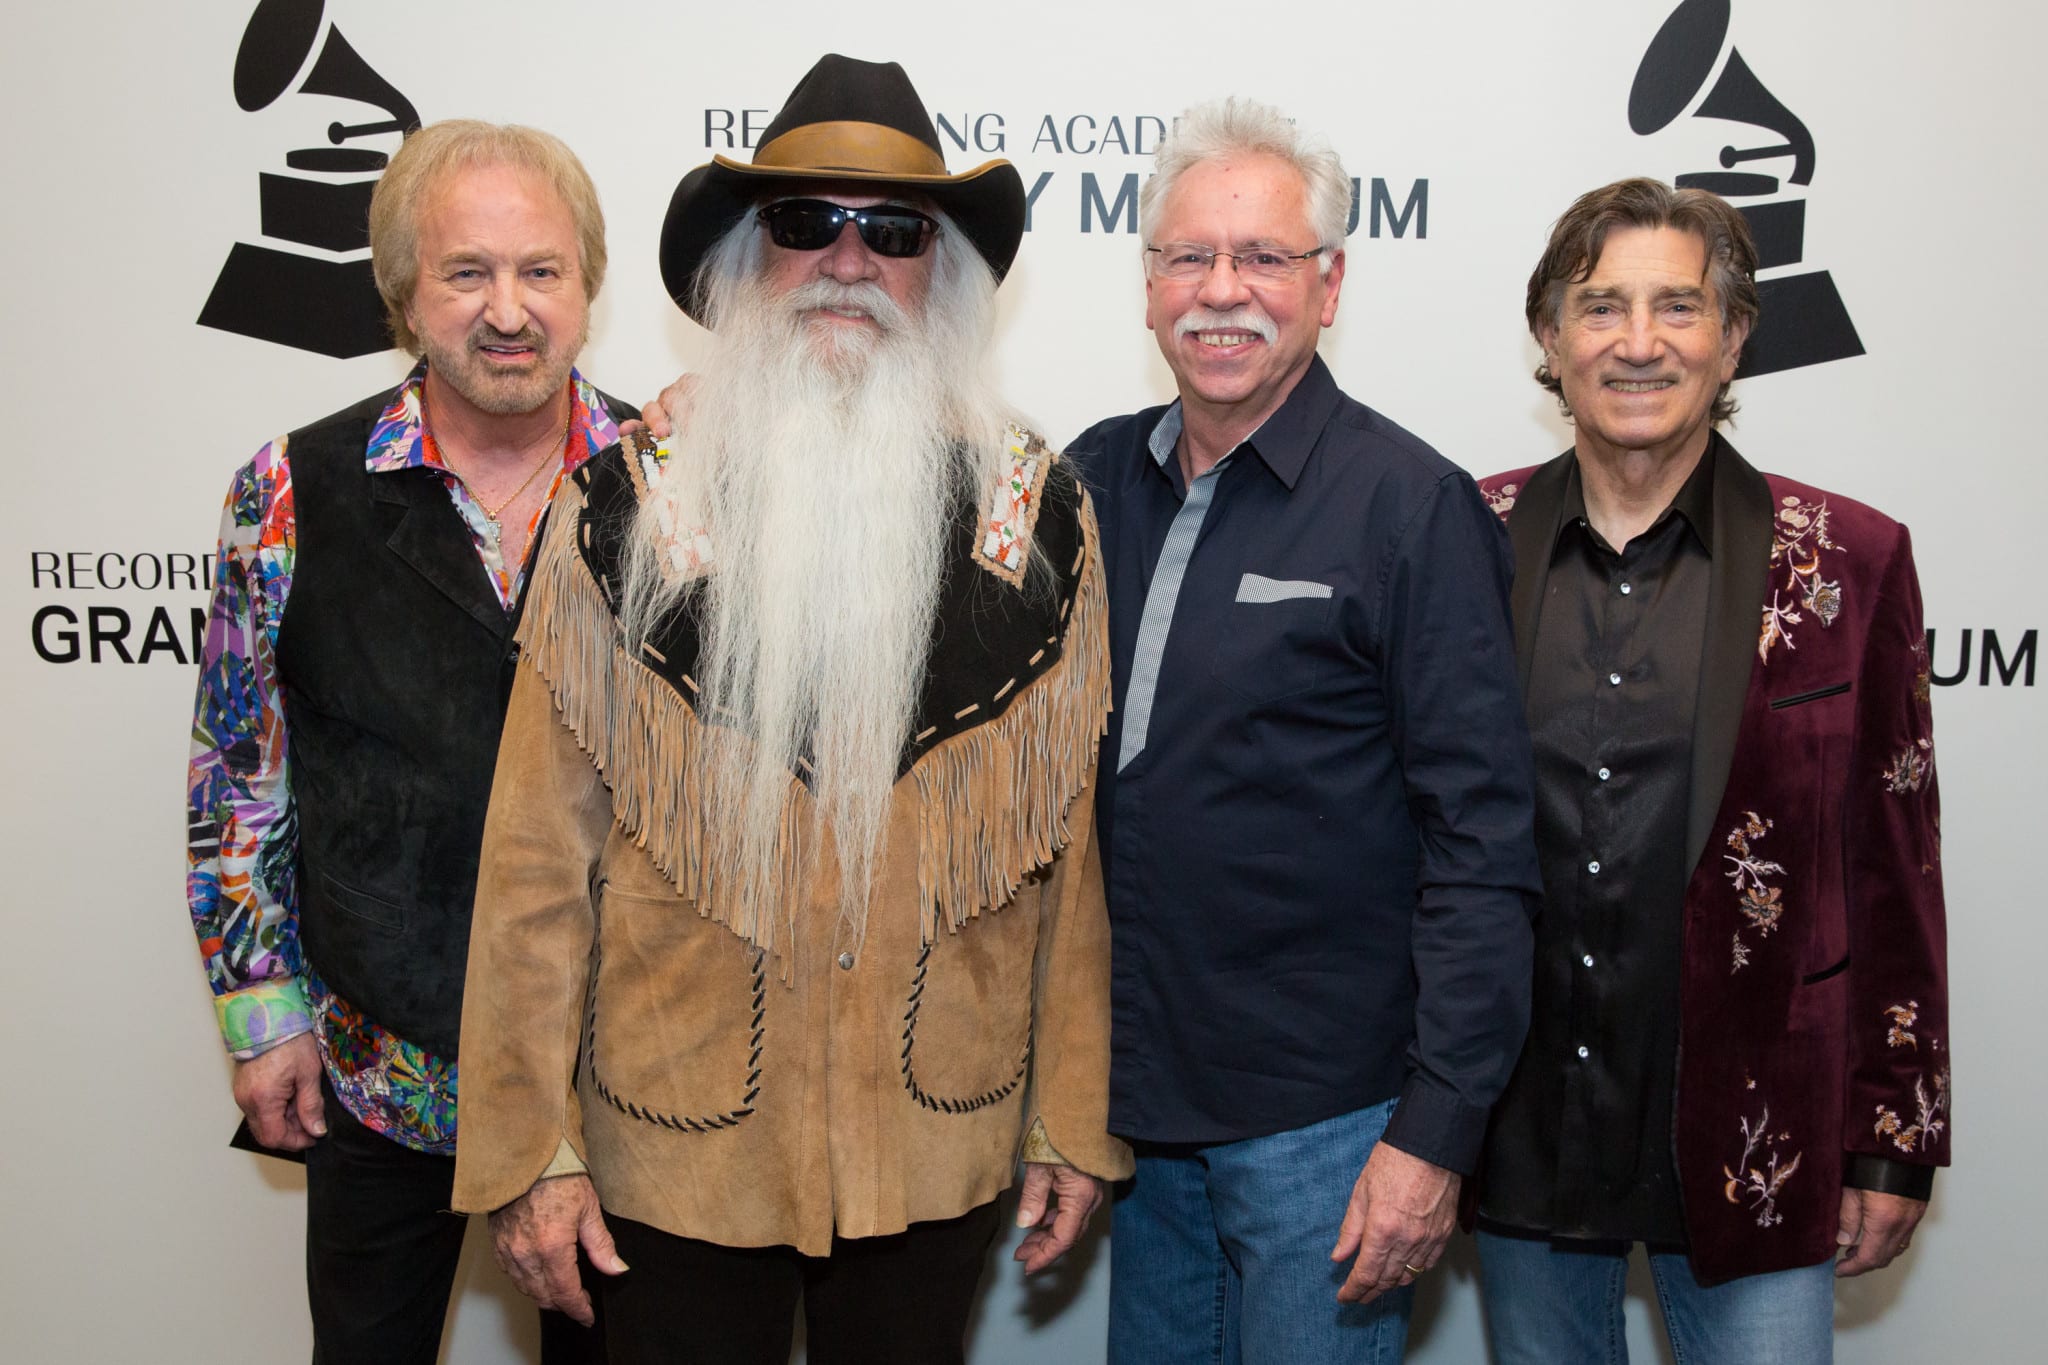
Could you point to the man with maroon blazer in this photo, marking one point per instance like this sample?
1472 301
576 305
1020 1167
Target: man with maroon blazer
1738 1055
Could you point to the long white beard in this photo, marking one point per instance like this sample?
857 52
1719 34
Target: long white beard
829 470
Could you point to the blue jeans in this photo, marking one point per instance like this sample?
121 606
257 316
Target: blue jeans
1220 1254
1546 1306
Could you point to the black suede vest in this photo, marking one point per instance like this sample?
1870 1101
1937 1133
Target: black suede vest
396 661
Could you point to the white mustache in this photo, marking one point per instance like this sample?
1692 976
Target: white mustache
1245 317
863 296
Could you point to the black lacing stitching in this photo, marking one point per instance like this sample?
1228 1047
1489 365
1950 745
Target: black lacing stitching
935 1103
711 1123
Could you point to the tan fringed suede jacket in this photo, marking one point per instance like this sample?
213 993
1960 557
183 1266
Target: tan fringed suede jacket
752 1079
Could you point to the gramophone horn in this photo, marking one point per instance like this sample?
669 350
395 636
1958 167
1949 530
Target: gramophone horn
1740 97
1677 64
275 45
341 72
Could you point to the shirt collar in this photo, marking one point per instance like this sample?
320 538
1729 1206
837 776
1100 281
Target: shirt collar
1694 501
396 440
1166 435
1285 439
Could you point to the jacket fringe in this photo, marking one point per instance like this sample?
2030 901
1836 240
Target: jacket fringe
993 802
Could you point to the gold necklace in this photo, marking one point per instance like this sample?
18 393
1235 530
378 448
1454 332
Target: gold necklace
491 513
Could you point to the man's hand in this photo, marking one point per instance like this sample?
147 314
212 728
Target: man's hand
1874 1228
535 1238
1056 1204
279 1091
667 414
1401 1213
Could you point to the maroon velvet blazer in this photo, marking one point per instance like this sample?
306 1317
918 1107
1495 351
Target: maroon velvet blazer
1813 996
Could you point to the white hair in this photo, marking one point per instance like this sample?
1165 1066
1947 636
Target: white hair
1243 127
830 473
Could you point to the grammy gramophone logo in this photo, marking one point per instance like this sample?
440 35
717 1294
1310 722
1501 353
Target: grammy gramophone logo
308 284
1803 321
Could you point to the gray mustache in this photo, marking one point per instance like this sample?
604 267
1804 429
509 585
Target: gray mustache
1244 318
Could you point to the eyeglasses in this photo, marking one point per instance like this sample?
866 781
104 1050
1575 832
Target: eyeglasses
814 224
1187 262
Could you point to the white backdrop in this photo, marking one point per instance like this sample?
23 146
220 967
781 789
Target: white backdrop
134 1233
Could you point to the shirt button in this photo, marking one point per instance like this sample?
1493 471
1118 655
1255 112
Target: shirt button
1614 679
1587 960
1594 867
1606 773
1584 1052
846 962
1626 590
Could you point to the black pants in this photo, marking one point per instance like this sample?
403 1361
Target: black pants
381 1248
897 1300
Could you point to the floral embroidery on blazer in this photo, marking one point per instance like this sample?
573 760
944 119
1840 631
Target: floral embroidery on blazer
1814 975
1799 536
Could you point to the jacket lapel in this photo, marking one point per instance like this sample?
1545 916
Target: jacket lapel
1742 556
414 503
1532 531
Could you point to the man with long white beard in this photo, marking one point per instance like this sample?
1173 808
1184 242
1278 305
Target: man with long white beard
790 938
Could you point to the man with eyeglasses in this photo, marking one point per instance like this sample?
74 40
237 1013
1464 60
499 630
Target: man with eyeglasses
1315 816
790 937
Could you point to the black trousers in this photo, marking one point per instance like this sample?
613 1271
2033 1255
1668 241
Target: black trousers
897 1300
381 1249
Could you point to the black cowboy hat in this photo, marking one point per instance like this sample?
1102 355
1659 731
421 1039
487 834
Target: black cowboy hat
847 121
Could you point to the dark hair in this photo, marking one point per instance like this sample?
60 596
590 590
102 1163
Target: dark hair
1577 239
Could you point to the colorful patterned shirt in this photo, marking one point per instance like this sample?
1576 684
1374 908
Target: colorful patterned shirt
242 828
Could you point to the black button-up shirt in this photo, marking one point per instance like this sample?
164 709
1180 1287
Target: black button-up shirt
1582 1142
1318 852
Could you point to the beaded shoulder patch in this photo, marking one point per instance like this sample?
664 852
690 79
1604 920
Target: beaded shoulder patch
687 540
1003 544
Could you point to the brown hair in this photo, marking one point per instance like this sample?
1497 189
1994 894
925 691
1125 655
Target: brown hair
1577 239
452 145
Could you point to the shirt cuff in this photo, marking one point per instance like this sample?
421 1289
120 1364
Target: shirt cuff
1432 1123
1882 1175
257 1018
1038 1147
566 1162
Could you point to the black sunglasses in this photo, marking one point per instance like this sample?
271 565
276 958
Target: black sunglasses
814 224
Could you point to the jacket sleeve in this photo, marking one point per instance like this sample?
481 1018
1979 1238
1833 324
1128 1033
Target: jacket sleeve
1070 1010
529 955
1897 1110
242 844
1070 977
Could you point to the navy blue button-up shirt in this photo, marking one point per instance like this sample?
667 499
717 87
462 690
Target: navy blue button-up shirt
1315 795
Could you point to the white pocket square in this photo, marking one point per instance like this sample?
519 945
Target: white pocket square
1255 587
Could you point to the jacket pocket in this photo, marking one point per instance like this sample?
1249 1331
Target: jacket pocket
1802 698
1815 978
1819 1009
967 1010
364 906
676 1020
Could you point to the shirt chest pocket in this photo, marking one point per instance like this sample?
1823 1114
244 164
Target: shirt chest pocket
1278 638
